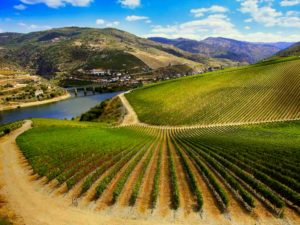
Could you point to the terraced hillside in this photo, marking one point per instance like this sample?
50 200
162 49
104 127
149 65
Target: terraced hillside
267 91
224 175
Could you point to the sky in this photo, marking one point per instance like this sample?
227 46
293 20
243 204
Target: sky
248 20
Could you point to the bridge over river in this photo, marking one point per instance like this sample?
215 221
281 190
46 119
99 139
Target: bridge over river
91 87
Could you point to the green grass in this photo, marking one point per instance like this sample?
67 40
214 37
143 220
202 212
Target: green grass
264 91
4 221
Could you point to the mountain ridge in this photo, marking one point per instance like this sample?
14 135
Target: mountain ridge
90 48
220 47
293 50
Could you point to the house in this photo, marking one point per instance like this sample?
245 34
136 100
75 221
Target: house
38 93
97 72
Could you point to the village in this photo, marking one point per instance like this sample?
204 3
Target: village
124 78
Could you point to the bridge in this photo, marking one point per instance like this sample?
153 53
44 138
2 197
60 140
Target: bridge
86 88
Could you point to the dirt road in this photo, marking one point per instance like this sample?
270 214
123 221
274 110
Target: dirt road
130 117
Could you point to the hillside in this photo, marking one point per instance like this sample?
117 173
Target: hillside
224 173
73 50
260 92
226 48
293 50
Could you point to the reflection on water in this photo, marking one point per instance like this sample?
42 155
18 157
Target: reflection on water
65 109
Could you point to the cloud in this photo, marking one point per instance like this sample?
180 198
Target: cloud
133 18
20 7
247 28
130 3
113 24
165 29
267 15
216 25
269 37
58 3
101 22
213 9
34 26
213 25
289 2
249 20
292 13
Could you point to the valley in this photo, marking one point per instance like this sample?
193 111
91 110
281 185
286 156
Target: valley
222 170
143 130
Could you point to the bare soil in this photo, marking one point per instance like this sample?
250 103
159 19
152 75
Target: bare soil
144 198
127 190
186 198
164 183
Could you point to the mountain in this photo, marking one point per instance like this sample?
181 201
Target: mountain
71 50
293 50
226 48
280 45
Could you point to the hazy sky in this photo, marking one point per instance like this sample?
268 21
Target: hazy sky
251 20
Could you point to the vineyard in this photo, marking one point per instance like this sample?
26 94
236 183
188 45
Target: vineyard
251 169
216 167
267 91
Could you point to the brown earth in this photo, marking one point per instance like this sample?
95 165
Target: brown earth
143 201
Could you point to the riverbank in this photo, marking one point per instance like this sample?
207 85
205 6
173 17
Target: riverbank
66 109
36 103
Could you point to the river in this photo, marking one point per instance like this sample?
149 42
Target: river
65 109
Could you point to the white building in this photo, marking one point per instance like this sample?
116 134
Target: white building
38 93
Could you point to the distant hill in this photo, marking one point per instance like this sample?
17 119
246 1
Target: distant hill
5 38
226 48
73 49
293 50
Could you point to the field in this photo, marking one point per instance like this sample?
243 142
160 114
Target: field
240 172
267 91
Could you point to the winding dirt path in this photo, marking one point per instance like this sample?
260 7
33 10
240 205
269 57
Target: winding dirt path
131 117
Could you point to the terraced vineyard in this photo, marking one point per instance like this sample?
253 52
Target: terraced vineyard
253 170
267 91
